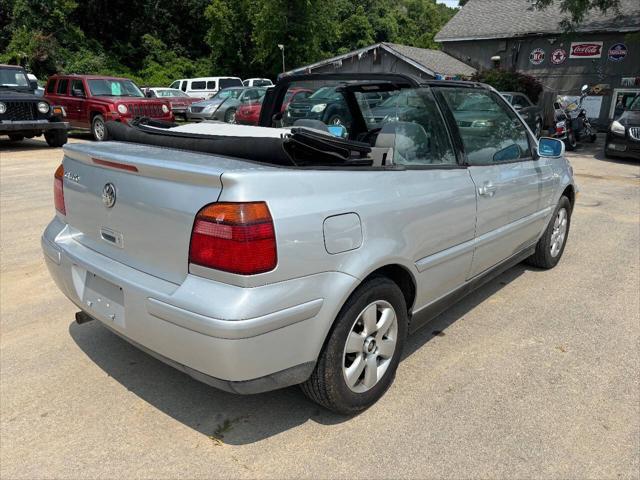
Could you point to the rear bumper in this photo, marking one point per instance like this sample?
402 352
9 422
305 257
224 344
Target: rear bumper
9 126
244 340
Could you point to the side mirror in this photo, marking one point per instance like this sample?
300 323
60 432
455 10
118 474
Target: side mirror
76 92
584 89
149 94
550 147
33 85
339 131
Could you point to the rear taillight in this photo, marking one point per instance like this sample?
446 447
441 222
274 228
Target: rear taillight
234 237
58 191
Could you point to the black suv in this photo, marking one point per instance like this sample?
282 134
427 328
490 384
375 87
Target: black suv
23 114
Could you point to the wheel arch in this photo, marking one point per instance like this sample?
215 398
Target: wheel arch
570 193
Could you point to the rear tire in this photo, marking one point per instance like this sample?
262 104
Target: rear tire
56 138
550 247
362 351
16 138
99 129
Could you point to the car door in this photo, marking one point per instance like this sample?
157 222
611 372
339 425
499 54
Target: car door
434 205
77 110
512 185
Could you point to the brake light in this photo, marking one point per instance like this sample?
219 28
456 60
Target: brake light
234 237
58 191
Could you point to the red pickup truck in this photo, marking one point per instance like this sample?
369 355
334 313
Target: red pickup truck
91 100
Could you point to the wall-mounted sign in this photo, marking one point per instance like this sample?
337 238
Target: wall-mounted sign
536 57
630 82
617 52
558 56
586 50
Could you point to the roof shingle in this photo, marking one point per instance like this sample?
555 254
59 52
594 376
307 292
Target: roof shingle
480 19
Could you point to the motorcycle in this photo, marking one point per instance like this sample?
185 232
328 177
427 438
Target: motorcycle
577 124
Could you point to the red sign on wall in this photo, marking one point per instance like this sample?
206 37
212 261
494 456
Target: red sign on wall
586 50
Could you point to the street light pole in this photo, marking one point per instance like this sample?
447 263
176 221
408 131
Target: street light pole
281 47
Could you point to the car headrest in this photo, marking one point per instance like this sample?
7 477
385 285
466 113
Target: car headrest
408 140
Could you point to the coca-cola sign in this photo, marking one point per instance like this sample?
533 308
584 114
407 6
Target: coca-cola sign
586 50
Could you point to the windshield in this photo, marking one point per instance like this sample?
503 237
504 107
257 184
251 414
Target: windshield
109 87
171 93
326 93
13 77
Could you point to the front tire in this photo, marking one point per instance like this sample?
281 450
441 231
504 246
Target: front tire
56 138
99 129
550 247
360 357
571 143
230 116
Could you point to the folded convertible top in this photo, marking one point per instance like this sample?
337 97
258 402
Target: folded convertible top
296 146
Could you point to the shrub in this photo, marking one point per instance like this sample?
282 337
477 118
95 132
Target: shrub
510 81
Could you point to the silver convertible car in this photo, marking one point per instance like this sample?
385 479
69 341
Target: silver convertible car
254 258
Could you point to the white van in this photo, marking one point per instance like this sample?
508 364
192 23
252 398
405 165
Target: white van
257 82
205 87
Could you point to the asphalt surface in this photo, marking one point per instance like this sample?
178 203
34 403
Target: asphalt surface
536 375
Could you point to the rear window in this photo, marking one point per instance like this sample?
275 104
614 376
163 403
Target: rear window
262 83
51 86
229 82
62 86
198 85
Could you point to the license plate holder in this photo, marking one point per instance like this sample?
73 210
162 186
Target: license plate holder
103 299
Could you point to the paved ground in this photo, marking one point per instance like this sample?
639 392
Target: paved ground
535 375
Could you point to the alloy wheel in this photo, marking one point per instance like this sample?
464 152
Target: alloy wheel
559 232
370 346
98 129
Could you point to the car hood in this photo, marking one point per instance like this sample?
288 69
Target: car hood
9 95
630 118
127 99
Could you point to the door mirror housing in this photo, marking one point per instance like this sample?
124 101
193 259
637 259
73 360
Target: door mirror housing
550 147
585 88
33 85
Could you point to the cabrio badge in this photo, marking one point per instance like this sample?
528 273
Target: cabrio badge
109 195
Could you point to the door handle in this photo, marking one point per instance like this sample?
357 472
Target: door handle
487 190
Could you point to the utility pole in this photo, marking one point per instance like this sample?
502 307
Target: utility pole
281 47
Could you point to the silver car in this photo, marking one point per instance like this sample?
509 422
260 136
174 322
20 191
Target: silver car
272 257
224 104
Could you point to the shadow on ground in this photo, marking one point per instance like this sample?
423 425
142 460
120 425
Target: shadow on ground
236 419
36 143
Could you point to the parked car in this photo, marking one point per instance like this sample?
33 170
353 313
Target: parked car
24 114
92 100
224 105
224 258
531 113
623 135
257 82
178 100
249 113
205 87
327 104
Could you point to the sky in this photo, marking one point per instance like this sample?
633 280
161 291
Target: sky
451 3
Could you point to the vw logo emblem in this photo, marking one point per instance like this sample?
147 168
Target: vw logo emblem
109 195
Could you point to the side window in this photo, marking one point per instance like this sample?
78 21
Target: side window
184 86
211 85
520 101
77 88
63 84
200 85
411 124
51 86
490 131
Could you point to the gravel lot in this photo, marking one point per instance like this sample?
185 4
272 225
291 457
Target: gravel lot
534 375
